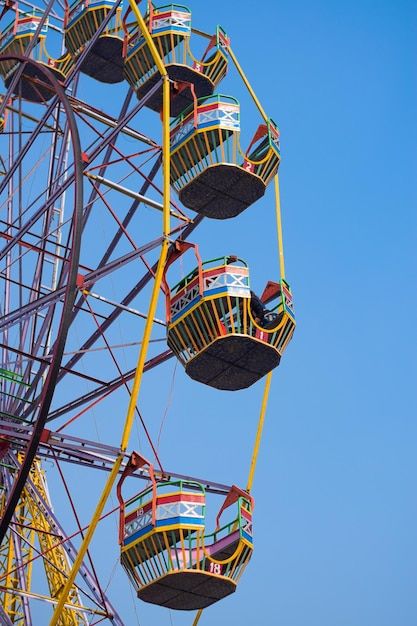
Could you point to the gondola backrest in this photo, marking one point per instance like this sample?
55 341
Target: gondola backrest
173 504
287 299
209 113
170 19
215 278
243 520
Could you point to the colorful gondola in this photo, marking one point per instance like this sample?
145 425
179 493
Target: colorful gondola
14 40
104 60
170 29
165 551
214 332
208 168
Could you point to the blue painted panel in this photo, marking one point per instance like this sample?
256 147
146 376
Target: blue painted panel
137 45
247 536
290 313
175 521
169 29
227 289
139 533
172 521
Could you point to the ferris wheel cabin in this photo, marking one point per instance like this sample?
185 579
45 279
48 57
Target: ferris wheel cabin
104 60
170 29
166 553
14 40
214 332
208 168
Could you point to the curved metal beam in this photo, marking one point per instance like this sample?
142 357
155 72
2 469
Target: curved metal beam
69 298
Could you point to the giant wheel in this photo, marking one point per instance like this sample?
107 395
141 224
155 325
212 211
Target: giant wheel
89 227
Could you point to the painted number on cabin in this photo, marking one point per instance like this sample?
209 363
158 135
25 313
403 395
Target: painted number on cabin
215 568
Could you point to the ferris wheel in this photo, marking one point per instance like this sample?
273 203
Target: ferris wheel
97 214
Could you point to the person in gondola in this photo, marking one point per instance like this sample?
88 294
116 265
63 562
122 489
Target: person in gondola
263 316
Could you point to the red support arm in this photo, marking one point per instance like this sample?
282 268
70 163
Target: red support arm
180 248
135 462
233 496
271 291
261 132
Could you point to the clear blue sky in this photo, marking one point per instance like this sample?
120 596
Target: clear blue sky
336 484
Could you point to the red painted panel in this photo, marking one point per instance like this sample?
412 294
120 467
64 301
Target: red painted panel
181 497
138 512
246 514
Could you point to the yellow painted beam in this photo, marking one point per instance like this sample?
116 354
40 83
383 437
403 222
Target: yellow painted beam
279 228
197 617
255 453
247 84
259 432
86 541
261 422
